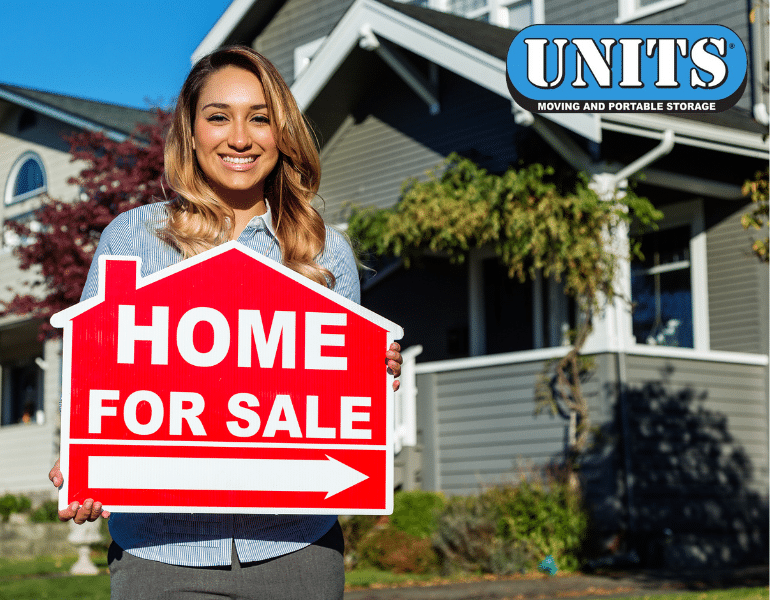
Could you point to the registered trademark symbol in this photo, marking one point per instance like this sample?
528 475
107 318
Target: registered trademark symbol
732 46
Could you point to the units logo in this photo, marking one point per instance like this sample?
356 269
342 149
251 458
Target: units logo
626 68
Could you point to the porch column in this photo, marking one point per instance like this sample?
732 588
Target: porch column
613 329
477 327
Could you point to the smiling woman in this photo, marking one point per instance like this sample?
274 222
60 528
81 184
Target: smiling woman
244 167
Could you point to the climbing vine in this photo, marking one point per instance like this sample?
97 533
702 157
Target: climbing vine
757 219
534 224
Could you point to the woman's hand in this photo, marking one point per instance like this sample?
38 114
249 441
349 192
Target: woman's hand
393 360
90 511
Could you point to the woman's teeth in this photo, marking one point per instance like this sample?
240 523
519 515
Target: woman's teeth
238 161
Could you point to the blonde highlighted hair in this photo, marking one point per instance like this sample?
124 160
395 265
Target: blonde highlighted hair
198 220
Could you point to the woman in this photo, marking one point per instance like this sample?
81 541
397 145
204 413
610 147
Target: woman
244 167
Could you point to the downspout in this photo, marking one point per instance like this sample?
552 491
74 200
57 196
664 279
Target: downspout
611 184
758 109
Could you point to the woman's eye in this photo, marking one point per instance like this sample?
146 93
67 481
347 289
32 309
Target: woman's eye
261 118
216 118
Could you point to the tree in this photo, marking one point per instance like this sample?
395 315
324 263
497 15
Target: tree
60 243
534 226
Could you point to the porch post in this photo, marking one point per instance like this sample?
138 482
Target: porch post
613 329
477 327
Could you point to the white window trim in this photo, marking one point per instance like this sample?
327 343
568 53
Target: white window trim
690 213
11 182
629 11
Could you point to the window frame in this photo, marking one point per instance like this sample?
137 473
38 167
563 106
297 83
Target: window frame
690 213
630 10
10 199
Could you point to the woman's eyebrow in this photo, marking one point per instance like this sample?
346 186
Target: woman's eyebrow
223 105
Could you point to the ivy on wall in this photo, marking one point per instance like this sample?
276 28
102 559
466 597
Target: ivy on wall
533 223
757 219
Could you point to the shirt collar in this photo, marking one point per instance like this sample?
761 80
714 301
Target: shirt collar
267 219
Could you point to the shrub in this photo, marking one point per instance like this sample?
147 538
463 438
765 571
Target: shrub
511 528
13 504
545 519
467 540
416 512
393 550
354 529
47 512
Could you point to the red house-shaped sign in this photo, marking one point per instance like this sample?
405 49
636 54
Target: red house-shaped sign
225 383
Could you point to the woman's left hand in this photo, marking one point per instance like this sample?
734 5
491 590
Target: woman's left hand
393 360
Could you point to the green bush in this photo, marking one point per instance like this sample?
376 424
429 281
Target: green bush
354 529
47 512
10 504
545 519
416 512
511 528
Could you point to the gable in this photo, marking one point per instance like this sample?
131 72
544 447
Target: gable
373 19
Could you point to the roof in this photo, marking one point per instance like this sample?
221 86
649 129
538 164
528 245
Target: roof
88 114
488 38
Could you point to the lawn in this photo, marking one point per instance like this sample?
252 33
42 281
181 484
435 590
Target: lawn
48 579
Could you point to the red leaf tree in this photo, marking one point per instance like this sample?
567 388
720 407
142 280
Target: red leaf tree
61 241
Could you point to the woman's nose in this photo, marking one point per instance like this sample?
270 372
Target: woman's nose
239 136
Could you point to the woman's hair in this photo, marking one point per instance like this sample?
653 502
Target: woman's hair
198 220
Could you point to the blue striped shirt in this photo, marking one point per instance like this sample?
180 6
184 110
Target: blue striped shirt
200 540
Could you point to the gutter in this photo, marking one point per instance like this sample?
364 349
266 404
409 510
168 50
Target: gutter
665 146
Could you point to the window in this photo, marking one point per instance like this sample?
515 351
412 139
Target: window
629 10
27 179
669 288
661 289
21 398
22 392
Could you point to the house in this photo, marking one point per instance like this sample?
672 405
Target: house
188 391
679 389
35 161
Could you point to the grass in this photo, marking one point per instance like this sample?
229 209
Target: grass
47 578
757 593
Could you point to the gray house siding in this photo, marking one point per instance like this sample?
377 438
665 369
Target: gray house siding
296 23
678 456
696 407
697 440
483 430
368 160
737 289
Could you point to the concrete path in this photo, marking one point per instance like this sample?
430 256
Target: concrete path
574 587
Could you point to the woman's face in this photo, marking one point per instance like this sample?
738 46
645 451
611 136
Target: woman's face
232 137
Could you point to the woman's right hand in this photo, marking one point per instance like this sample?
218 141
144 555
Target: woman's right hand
89 511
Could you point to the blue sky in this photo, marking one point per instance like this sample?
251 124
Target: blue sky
120 52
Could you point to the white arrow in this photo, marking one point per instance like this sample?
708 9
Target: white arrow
225 474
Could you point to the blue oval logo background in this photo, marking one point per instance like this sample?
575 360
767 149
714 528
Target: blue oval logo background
544 66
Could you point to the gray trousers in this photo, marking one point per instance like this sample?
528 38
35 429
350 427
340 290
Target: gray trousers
314 573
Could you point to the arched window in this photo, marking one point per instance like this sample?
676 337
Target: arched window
27 178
